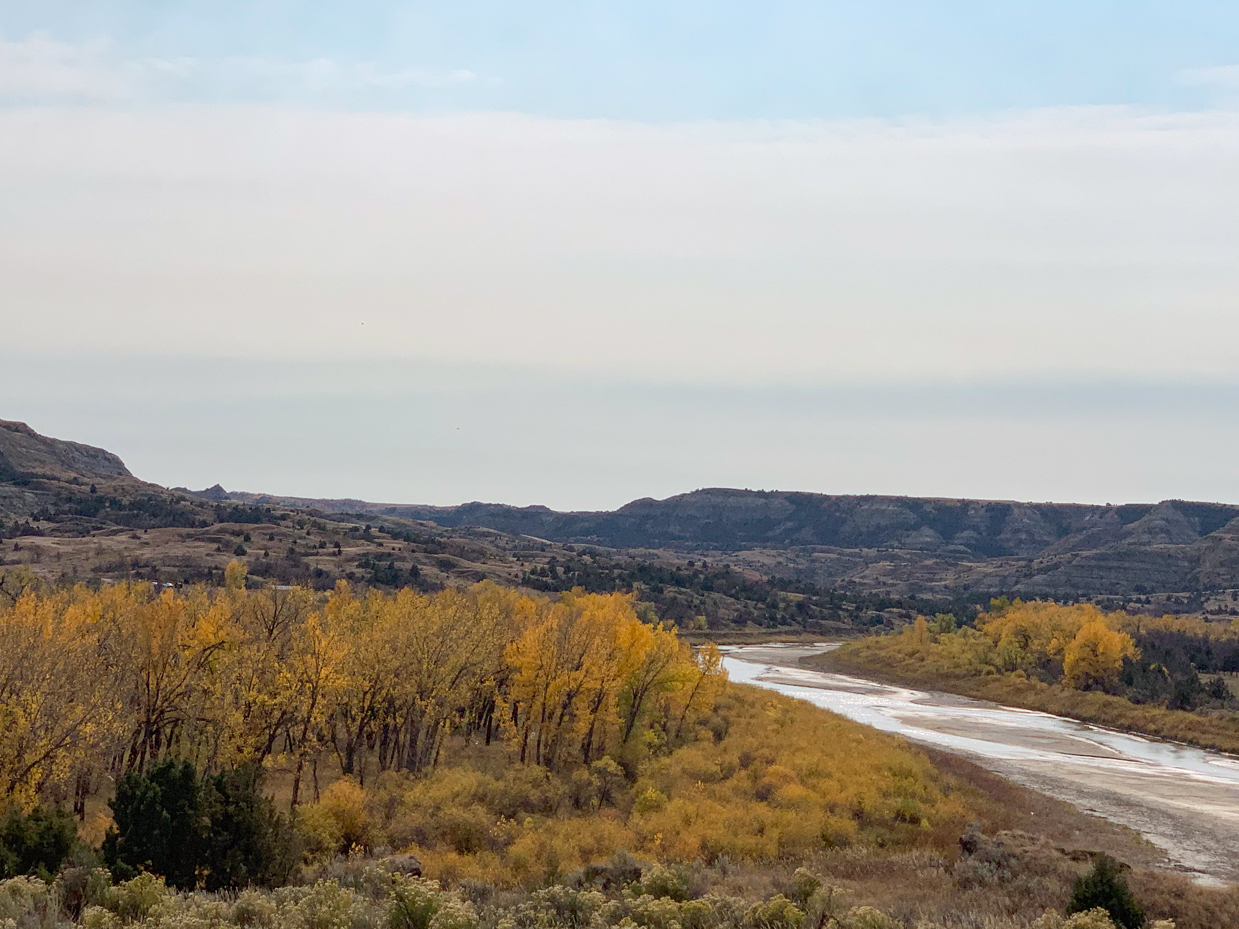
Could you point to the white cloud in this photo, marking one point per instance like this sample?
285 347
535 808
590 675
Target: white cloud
265 78
1092 242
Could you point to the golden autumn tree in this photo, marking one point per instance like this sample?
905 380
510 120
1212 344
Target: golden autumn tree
564 676
655 662
452 651
168 646
705 683
588 675
59 712
1094 657
1036 635
314 674
100 682
255 697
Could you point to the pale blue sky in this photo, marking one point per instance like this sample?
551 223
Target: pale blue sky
660 60
576 253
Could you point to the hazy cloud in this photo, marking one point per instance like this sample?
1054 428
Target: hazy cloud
1084 242
39 69
1224 77
449 434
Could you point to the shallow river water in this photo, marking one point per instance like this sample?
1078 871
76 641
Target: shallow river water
1184 800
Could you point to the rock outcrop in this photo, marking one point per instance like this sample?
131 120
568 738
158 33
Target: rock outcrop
23 452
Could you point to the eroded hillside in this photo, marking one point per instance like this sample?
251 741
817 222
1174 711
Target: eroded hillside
714 558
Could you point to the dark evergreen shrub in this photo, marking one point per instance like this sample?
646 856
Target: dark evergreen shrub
219 832
1105 887
35 843
159 825
248 842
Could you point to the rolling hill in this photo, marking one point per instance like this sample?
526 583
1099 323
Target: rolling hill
1173 555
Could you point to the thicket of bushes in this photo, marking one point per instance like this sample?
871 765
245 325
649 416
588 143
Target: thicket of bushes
35 843
767 778
617 896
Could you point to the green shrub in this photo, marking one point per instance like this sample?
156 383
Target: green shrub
1105 887
221 830
866 917
804 885
81 886
559 906
414 903
253 910
159 824
35 843
247 842
454 913
662 881
27 903
135 899
776 913
652 912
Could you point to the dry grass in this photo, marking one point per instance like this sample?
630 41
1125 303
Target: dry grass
486 820
768 779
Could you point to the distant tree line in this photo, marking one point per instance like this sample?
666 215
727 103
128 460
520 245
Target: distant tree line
682 592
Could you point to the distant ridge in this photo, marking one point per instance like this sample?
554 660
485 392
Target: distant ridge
912 545
726 518
917 546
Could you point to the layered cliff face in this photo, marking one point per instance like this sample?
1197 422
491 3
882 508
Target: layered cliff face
67 488
903 545
25 453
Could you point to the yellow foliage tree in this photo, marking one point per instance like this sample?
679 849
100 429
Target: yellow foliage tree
1095 655
102 682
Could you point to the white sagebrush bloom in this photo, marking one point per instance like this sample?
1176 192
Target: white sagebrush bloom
28 903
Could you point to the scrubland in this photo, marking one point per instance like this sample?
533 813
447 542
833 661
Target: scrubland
478 759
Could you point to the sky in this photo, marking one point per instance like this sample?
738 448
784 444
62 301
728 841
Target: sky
576 254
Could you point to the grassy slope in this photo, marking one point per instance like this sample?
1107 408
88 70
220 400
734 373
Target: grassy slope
489 822
752 799
885 658
769 778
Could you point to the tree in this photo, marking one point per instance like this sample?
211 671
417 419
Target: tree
1095 655
167 649
247 842
706 683
119 680
314 675
58 693
160 825
1104 886
35 843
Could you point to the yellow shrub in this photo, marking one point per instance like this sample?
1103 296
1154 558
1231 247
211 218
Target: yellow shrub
339 821
787 779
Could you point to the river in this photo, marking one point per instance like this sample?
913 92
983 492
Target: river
1184 800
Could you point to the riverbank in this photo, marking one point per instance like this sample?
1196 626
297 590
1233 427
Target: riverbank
881 660
1183 800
